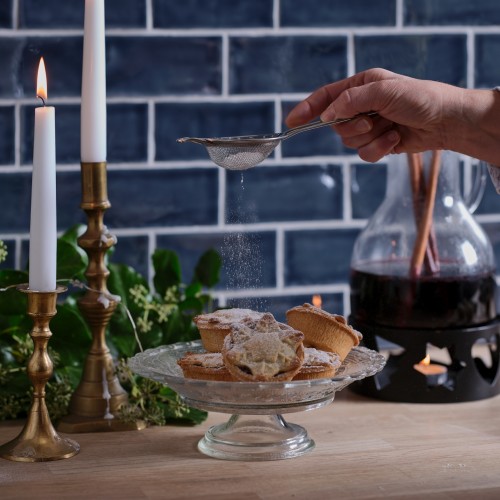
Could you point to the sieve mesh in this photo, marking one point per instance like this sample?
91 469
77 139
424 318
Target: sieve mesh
240 157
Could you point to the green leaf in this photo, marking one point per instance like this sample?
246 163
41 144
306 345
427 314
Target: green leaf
72 234
71 261
191 305
167 270
121 279
71 335
12 301
207 270
193 289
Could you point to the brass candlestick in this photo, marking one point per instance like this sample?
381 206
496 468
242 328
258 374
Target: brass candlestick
38 441
99 395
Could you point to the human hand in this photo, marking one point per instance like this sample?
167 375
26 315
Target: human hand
413 115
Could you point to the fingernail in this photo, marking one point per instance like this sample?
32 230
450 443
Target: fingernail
363 125
328 115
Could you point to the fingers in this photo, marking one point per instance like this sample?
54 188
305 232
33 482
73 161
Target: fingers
380 146
314 105
373 137
309 108
362 130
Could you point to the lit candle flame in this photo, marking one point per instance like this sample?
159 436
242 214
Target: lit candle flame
426 361
41 83
317 302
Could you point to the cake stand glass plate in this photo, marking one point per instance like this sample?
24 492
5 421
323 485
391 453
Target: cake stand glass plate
256 429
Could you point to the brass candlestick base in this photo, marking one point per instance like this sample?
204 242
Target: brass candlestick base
99 396
38 441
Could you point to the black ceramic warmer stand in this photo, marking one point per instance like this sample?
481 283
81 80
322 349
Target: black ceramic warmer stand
468 378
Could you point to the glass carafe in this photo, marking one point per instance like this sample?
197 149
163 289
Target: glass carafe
454 284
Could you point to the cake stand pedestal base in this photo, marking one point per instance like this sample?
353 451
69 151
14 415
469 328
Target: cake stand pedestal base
256 438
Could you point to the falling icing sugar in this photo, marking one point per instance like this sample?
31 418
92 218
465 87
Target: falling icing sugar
241 253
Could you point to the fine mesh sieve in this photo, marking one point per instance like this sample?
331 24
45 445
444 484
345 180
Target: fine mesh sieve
247 151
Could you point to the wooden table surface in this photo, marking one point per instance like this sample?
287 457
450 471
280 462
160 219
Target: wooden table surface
364 449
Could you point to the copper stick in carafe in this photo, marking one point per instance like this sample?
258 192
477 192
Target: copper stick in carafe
422 245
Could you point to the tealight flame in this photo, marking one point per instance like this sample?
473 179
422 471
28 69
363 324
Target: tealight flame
41 83
317 302
426 361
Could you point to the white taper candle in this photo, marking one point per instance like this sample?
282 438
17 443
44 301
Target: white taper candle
43 226
93 111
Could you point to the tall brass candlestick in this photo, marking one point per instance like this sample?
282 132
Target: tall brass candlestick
98 397
38 441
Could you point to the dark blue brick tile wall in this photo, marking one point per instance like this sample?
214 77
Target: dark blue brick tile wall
267 194
127 133
487 54
6 14
132 251
70 14
232 64
174 120
9 80
21 55
285 63
334 13
331 302
212 14
162 198
145 198
367 189
15 192
436 57
7 135
197 63
490 202
318 256
451 12
248 258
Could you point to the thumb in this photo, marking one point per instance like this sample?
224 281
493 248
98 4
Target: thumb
369 97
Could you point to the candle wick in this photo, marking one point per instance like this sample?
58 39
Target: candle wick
42 99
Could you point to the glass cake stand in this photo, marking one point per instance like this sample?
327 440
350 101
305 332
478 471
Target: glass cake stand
256 429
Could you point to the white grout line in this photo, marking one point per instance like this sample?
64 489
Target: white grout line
17 136
276 14
149 15
15 14
151 153
278 120
225 67
399 14
346 185
148 31
346 300
294 290
280 259
351 55
471 59
237 228
221 202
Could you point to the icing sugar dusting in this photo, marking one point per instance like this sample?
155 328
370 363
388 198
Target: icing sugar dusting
241 252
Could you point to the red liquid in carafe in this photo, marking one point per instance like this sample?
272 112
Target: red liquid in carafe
426 302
